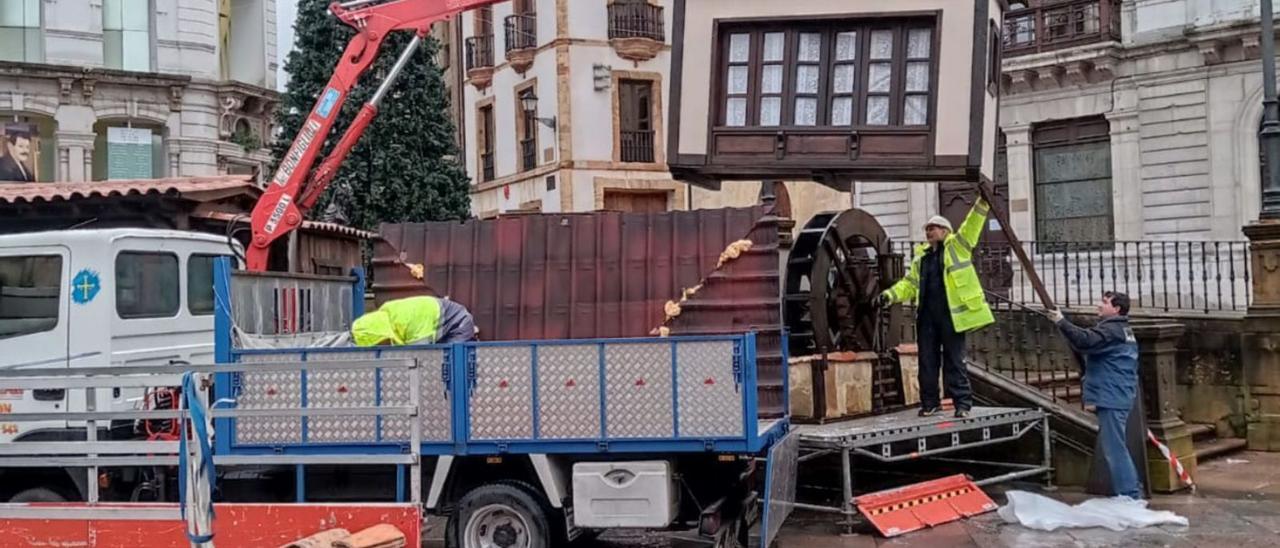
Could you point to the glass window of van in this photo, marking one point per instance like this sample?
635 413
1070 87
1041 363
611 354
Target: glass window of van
147 285
200 284
30 290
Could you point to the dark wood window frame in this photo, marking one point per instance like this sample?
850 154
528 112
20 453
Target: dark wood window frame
526 128
485 127
1089 130
995 58
636 129
829 30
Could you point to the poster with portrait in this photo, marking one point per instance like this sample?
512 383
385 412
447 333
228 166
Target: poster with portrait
19 152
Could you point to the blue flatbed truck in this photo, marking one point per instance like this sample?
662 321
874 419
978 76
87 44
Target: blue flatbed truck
518 443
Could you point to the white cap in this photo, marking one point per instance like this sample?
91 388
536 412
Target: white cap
938 220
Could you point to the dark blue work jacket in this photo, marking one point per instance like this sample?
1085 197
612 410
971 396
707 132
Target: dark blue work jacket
1111 361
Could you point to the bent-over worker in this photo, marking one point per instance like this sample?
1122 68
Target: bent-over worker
1110 382
944 286
415 320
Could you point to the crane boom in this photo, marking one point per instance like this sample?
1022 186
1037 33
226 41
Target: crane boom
295 188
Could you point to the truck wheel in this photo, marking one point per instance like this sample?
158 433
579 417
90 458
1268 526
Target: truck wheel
501 515
38 494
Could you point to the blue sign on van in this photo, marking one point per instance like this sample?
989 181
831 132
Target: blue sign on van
85 286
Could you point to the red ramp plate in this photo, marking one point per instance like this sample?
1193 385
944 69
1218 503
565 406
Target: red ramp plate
913 507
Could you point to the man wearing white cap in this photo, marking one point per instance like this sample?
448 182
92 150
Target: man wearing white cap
944 286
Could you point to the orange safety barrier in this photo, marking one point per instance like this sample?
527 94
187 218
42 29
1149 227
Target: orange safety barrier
239 525
927 504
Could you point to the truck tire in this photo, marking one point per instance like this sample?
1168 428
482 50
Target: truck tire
37 494
501 515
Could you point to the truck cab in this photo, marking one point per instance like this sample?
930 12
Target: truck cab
96 298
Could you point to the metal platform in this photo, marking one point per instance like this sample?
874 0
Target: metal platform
902 435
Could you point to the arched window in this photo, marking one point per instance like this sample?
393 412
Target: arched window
28 152
128 150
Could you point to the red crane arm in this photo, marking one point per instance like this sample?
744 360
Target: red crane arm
294 188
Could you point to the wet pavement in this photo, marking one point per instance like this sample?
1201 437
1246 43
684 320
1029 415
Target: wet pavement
1237 505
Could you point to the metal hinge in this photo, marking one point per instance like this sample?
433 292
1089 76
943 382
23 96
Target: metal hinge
737 366
471 371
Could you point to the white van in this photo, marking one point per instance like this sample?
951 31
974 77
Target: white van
96 298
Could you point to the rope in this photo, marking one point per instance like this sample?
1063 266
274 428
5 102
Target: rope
197 476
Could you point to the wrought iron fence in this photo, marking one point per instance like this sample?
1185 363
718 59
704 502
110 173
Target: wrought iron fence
479 52
1049 25
636 20
528 154
1021 346
637 146
486 166
1168 276
521 31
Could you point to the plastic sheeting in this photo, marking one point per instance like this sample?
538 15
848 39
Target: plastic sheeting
1115 513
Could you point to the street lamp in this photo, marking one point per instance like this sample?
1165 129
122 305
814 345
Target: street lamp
1269 137
529 102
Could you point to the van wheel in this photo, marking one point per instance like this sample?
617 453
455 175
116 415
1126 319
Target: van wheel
38 494
501 515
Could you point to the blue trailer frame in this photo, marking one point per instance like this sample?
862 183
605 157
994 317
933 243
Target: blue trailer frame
459 374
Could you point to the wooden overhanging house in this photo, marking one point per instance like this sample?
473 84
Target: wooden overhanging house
203 204
835 92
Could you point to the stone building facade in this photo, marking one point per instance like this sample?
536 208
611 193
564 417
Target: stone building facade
595 137
139 88
1120 120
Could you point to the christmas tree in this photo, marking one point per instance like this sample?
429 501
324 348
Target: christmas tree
403 168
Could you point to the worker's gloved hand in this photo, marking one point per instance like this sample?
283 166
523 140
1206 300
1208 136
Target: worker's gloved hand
883 301
1055 315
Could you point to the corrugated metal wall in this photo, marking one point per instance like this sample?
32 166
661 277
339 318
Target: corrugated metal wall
603 274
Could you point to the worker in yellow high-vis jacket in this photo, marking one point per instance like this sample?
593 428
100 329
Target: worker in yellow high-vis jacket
415 320
944 286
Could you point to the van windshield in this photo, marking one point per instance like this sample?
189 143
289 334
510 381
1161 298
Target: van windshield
30 289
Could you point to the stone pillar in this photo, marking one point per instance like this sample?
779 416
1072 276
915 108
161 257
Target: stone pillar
1022 201
1126 175
1157 364
1260 343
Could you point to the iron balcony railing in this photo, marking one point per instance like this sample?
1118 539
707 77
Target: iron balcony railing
486 166
521 31
1048 25
528 154
1168 276
479 52
636 20
637 146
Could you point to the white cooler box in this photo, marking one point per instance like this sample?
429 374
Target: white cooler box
624 494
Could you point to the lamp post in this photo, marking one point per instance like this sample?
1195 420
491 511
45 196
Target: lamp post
529 102
1269 137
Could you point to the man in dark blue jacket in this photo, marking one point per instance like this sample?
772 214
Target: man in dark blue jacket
1110 382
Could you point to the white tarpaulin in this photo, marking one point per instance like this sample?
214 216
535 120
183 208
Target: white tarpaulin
1116 513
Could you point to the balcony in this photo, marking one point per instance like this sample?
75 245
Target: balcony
528 154
1053 43
486 167
636 30
480 60
1050 25
637 146
521 33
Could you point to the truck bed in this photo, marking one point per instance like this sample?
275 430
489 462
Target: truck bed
676 394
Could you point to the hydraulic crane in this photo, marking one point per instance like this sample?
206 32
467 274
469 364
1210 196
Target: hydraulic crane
295 188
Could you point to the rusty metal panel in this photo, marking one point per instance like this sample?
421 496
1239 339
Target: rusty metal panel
602 275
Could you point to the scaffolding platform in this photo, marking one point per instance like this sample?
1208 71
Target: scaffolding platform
902 436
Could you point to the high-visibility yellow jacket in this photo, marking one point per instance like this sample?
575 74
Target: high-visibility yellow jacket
965 298
399 322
